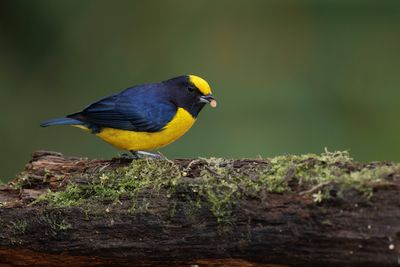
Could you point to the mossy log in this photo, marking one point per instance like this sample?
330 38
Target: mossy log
308 210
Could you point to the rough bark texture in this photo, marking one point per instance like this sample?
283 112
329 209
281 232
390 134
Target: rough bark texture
292 227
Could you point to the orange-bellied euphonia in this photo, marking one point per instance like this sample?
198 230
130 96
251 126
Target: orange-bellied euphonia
144 117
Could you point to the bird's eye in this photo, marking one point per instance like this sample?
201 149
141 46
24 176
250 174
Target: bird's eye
190 88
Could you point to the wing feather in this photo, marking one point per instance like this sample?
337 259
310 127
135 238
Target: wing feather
142 109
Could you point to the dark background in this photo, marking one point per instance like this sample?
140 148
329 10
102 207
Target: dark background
290 76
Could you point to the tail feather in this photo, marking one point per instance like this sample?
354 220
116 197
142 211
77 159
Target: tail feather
61 121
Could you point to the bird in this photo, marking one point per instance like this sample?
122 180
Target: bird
145 117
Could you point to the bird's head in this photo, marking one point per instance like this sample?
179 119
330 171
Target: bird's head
191 93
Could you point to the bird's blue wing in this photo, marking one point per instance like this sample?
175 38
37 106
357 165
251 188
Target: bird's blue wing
142 109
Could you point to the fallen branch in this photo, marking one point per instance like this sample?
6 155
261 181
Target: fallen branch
206 212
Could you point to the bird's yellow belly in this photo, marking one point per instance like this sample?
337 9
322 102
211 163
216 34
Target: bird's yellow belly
130 140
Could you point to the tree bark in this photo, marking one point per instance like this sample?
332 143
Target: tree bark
291 228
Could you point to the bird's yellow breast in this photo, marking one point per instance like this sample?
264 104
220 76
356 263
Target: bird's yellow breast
130 140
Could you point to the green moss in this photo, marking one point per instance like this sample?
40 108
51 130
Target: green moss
72 195
192 207
364 179
219 184
111 187
55 222
18 226
19 181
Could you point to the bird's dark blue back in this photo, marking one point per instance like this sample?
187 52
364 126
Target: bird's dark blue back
143 108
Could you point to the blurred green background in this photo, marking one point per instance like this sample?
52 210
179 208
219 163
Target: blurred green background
290 76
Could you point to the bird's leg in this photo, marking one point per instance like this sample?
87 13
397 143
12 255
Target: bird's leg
142 154
148 154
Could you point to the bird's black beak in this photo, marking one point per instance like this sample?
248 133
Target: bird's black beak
208 99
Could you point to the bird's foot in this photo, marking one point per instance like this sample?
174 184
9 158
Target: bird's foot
125 155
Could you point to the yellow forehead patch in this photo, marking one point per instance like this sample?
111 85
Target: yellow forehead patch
201 84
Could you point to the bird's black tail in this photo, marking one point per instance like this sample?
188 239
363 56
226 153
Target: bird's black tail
60 121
